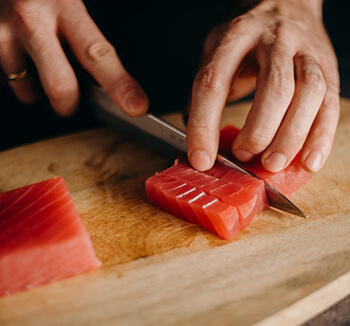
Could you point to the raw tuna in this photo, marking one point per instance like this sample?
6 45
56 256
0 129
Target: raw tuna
244 193
42 238
286 181
221 200
193 205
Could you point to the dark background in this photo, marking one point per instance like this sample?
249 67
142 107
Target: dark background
160 47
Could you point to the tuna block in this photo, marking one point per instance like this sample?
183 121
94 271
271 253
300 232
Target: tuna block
42 238
221 199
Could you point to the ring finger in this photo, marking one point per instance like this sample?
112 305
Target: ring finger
56 74
14 61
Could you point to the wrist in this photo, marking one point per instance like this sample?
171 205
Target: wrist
294 9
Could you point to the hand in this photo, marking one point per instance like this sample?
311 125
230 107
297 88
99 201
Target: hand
33 30
281 47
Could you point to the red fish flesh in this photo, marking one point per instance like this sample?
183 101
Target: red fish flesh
42 238
221 200
286 181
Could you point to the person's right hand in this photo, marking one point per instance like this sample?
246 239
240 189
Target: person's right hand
281 48
33 30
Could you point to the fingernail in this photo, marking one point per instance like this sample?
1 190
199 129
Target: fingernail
135 102
313 160
200 160
275 162
243 155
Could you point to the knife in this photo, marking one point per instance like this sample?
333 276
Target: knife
163 132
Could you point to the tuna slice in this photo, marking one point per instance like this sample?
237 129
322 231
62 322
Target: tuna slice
42 238
221 200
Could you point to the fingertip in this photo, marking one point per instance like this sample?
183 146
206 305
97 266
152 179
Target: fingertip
274 162
67 107
243 155
200 160
66 112
137 103
313 161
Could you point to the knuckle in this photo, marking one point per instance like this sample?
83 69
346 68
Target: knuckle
310 74
99 51
255 141
62 91
25 25
123 84
280 83
233 30
313 79
209 80
240 25
296 135
200 129
273 48
333 87
331 104
7 37
25 15
325 134
279 32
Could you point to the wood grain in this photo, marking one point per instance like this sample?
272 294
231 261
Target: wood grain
158 269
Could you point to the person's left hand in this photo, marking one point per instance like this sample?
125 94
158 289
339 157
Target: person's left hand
33 35
281 48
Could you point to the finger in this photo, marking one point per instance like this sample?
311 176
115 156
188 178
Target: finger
309 93
56 74
242 86
320 139
13 60
275 88
209 95
244 82
99 58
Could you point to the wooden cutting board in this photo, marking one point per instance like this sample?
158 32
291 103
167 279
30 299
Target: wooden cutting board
160 270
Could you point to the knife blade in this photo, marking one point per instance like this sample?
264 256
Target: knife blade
159 129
